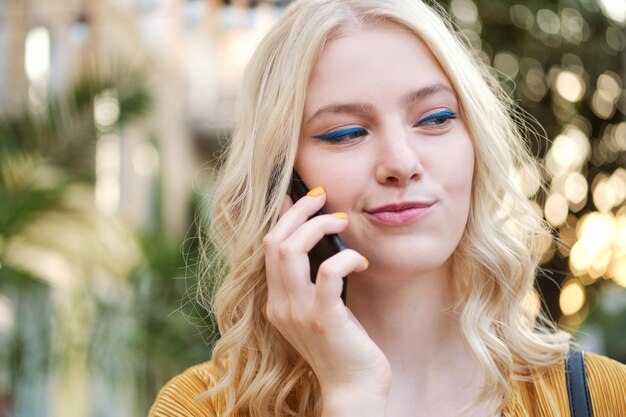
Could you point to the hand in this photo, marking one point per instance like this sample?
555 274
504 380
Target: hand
312 317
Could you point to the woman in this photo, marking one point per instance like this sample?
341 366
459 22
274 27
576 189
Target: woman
409 145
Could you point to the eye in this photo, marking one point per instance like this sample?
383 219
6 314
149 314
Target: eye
342 135
438 119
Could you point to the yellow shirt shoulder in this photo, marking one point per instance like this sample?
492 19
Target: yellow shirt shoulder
545 396
180 395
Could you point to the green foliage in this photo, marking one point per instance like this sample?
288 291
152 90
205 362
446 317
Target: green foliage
135 328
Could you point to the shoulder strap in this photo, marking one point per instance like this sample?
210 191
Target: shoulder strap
577 389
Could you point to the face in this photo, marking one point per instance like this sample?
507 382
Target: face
382 127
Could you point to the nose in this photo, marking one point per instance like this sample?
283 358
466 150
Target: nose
398 161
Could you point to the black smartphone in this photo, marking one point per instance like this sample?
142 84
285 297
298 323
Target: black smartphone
327 246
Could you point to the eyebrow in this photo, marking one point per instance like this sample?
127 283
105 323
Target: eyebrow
409 98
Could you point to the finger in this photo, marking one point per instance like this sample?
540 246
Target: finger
296 215
305 237
287 203
293 253
329 278
293 216
275 287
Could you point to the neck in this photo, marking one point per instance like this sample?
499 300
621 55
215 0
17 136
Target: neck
410 319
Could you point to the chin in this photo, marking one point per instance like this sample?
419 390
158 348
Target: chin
408 267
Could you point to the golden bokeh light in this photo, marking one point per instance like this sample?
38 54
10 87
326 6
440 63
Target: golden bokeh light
507 63
610 86
570 86
572 297
556 209
600 264
576 187
620 136
619 243
612 141
528 179
581 256
600 243
618 183
597 229
604 196
601 106
576 207
619 272
569 151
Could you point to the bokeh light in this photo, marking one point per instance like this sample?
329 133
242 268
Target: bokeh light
569 151
556 209
570 86
548 21
615 39
576 187
604 197
106 109
37 54
614 9
506 62
572 25
572 297
528 179
521 16
465 12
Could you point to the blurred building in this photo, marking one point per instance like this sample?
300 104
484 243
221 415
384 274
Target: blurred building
194 51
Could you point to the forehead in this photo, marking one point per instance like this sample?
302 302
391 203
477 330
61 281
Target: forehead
369 60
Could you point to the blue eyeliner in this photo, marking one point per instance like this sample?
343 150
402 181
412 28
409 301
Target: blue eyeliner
441 114
339 133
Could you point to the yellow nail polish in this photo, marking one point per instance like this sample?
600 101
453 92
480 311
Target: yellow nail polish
316 191
341 215
365 259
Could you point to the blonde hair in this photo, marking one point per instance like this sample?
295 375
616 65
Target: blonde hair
260 373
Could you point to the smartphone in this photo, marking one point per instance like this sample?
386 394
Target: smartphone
327 246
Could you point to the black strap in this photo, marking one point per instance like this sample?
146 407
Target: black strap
577 389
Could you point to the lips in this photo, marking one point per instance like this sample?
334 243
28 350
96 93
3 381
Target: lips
400 214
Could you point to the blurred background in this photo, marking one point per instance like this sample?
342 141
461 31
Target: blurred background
112 113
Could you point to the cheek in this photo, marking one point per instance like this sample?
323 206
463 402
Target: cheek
339 178
459 165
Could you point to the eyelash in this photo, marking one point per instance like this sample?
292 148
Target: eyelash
343 135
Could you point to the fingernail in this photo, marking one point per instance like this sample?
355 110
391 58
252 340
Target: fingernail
367 263
341 215
316 191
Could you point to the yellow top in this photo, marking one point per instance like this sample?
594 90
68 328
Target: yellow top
546 396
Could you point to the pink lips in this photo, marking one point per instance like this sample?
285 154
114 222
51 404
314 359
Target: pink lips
401 213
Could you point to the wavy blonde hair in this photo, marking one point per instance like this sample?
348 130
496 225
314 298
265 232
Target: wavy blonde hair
259 373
